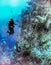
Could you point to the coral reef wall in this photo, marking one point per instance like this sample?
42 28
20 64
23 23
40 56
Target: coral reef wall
35 37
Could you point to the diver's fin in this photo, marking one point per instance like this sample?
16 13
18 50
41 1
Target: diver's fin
12 32
8 32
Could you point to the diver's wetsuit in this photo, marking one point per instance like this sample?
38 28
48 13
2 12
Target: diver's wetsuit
11 26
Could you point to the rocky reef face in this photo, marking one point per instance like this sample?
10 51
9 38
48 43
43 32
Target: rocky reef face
35 37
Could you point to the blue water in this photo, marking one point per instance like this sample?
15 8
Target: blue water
6 13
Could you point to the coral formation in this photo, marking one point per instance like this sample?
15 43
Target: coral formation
35 36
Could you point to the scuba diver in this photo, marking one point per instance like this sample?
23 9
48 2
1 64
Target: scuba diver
11 26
